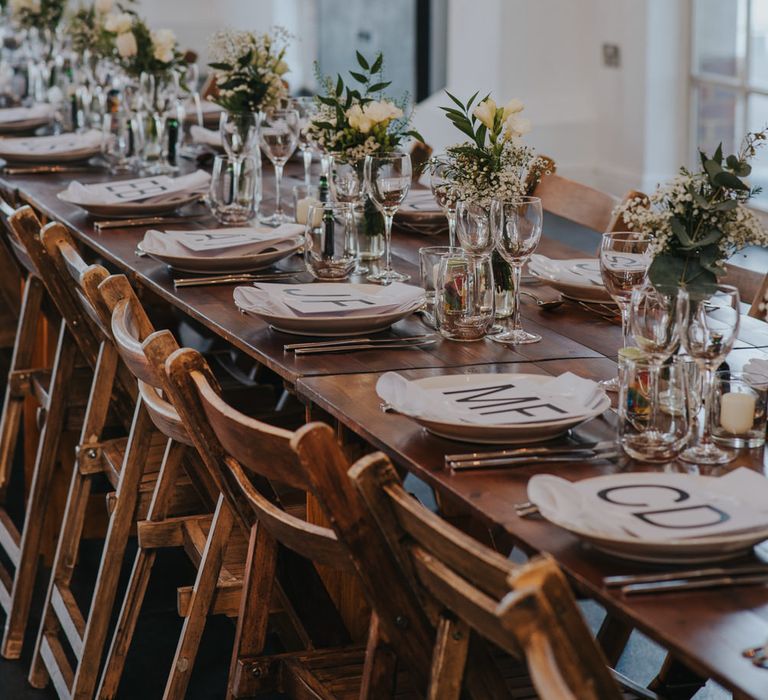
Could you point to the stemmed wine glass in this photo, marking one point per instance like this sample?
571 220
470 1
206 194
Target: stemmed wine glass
624 261
516 226
239 133
387 180
709 332
439 183
656 317
279 135
307 108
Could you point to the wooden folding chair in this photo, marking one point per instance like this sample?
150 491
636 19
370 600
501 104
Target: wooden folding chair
130 327
479 601
759 307
60 393
130 466
260 474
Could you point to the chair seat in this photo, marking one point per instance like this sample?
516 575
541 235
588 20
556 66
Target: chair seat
77 391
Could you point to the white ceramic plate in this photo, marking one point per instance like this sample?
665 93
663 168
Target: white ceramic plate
498 434
131 209
24 125
692 550
52 158
572 283
341 326
226 261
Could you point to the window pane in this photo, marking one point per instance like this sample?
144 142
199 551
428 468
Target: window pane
758 118
758 69
720 36
716 111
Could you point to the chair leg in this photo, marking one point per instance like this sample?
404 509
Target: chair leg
252 621
13 404
31 537
380 670
448 660
107 579
74 512
142 569
199 606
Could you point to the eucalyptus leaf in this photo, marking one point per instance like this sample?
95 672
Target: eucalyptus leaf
726 179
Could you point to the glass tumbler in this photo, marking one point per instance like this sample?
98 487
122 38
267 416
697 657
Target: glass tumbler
116 141
327 229
644 433
464 297
235 191
429 267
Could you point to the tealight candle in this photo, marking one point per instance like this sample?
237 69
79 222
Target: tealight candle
737 412
302 211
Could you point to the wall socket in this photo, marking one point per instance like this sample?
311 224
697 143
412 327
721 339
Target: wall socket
611 55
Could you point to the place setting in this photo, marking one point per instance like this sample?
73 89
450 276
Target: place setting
49 151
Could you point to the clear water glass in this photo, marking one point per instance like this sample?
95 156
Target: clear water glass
429 268
387 181
709 331
624 261
439 183
347 179
464 297
516 227
235 190
326 252
116 141
278 136
473 228
307 108
239 133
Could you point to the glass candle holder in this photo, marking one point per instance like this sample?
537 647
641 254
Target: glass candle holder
738 416
303 198
327 229
235 190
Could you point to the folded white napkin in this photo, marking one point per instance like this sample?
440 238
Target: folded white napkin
327 299
578 272
207 137
221 243
492 400
756 372
419 201
150 190
61 144
11 115
656 507
209 107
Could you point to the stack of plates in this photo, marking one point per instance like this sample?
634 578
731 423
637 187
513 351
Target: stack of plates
578 278
331 309
421 214
487 408
62 148
660 517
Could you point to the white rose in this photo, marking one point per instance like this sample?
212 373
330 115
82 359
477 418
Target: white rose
118 23
126 45
103 6
18 6
514 106
358 119
515 127
163 44
383 111
486 112
281 68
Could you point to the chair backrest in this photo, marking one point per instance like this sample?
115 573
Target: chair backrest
526 610
249 460
759 308
130 328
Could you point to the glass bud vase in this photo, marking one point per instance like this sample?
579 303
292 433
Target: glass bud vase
370 231
502 276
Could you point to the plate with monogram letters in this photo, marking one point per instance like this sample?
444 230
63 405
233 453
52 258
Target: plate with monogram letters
664 518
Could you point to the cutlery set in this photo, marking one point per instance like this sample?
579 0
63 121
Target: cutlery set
689 580
355 344
145 221
47 169
235 278
531 455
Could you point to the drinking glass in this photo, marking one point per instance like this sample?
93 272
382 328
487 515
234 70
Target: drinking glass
516 226
738 410
473 228
278 135
440 184
307 108
239 133
328 227
387 181
347 179
709 332
644 435
429 267
656 317
116 141
624 261
464 297
235 190
159 95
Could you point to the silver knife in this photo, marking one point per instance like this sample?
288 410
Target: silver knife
43 169
682 584
231 279
354 348
522 451
711 572
358 341
533 459
146 221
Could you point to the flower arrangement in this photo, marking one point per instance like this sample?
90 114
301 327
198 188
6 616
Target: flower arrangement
87 31
494 162
249 69
351 123
140 50
700 218
43 14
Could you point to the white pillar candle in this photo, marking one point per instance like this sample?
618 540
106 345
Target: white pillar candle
302 211
737 412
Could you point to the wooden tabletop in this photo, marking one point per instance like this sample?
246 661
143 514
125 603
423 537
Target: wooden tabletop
707 629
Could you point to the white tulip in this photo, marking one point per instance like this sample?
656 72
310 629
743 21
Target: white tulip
514 106
486 112
126 45
103 6
118 23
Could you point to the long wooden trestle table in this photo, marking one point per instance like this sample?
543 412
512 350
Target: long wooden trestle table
707 630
